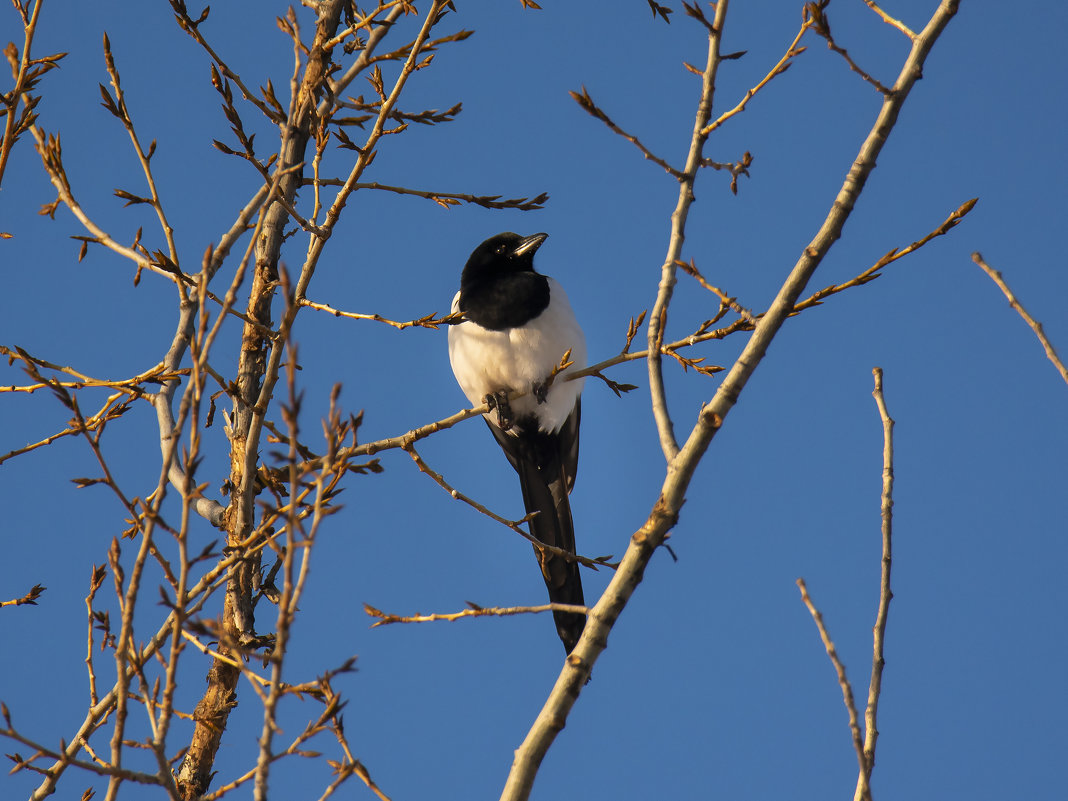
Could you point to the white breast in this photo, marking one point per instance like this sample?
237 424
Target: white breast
486 362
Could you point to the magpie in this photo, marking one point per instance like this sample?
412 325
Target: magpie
517 325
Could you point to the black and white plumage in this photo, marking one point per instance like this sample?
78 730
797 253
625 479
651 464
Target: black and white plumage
517 326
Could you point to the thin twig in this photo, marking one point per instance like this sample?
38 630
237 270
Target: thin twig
690 268
51 152
98 767
113 407
384 618
901 26
822 26
871 729
192 27
157 373
119 109
514 525
843 682
27 72
1036 326
364 23
891 256
780 67
431 321
447 199
29 598
594 110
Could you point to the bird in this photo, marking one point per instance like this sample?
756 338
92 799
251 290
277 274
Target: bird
517 325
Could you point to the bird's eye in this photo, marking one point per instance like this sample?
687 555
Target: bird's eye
501 249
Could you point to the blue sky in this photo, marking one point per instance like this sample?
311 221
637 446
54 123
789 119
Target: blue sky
714 683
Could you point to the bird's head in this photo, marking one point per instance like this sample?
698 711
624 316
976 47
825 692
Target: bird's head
503 253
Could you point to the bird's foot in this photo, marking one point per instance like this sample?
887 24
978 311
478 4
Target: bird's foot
499 401
540 389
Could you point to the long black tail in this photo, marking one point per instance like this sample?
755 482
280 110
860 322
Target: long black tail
546 493
546 466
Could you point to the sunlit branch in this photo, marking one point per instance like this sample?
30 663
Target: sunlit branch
364 23
428 321
690 268
99 768
680 470
192 27
447 199
1036 326
780 67
891 256
875 685
156 373
51 152
901 26
384 618
591 108
515 526
27 72
29 598
117 106
655 330
843 682
814 12
113 408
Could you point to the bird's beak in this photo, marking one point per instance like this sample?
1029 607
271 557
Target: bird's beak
529 244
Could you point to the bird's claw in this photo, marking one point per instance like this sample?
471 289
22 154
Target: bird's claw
540 389
499 401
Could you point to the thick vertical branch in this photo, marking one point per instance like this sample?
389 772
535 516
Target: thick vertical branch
658 318
214 708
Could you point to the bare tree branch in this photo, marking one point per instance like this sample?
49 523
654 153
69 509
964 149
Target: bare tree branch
29 598
384 619
822 26
253 377
514 525
843 682
901 26
1036 326
658 316
875 686
430 321
783 64
27 71
449 199
681 468
281 507
584 100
